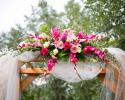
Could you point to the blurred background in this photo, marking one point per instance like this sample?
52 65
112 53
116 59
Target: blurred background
20 17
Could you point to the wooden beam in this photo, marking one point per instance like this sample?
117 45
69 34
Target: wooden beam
34 70
24 83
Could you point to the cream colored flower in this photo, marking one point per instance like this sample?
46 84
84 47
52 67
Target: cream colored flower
44 36
46 44
55 51
79 49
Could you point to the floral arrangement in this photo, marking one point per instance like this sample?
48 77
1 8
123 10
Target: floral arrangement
66 45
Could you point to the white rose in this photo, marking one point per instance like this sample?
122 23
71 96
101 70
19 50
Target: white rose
46 44
55 51
79 50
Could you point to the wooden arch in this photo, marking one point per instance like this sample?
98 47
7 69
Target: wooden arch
34 72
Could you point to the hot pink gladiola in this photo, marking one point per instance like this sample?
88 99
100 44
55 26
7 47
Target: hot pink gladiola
55 32
44 51
63 36
89 37
73 58
99 53
80 35
50 63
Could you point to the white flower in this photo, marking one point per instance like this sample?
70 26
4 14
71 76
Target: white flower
44 36
55 51
79 49
46 44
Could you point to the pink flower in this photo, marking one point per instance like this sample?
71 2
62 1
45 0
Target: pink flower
99 53
50 63
59 45
67 45
89 37
37 44
75 48
73 58
23 44
31 35
55 32
88 49
44 51
80 35
63 36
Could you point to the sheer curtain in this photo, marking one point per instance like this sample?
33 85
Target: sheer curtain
9 76
111 74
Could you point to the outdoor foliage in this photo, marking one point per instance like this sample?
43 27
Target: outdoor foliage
106 17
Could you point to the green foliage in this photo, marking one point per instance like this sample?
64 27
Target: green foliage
101 16
44 28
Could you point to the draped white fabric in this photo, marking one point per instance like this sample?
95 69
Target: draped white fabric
9 80
107 94
85 71
9 77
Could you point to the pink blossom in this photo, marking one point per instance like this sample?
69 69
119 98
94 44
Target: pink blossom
88 49
37 44
23 44
74 48
31 35
39 37
44 51
67 45
99 53
80 35
63 36
55 32
59 45
73 58
89 37
50 63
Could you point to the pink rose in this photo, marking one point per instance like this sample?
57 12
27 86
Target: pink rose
59 45
50 63
55 32
67 45
88 49
75 48
44 51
